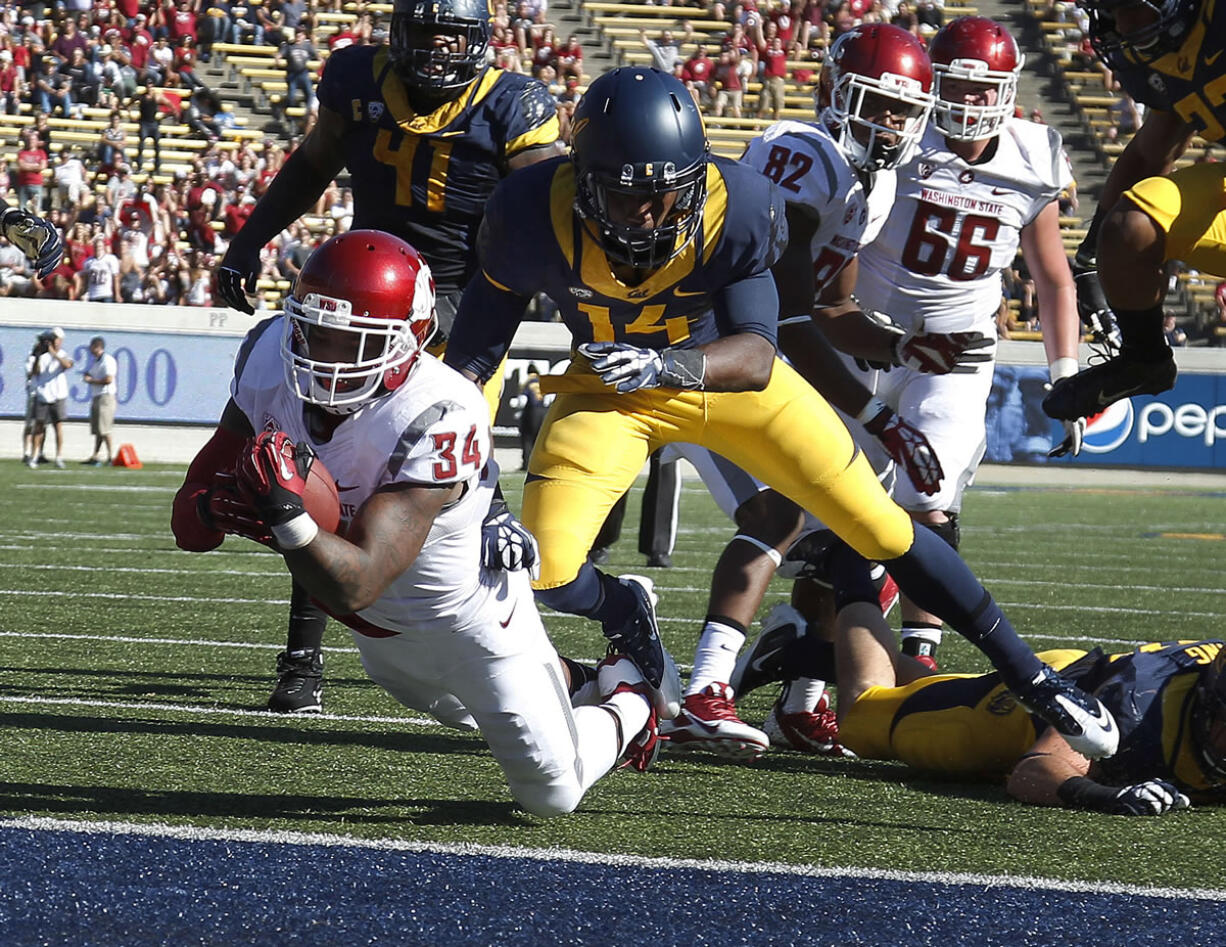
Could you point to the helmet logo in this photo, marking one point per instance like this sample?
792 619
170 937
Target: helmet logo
970 65
374 110
669 171
627 175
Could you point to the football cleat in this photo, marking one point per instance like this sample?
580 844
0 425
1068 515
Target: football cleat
887 590
300 683
1086 725
639 639
928 661
765 660
617 674
708 721
1089 392
815 731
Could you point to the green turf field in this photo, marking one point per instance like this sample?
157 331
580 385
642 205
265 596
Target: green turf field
132 677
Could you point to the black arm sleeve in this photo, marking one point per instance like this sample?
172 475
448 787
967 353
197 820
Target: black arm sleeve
484 326
749 305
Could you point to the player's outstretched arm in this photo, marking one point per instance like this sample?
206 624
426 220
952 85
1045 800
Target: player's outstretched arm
1037 777
291 194
193 523
1043 250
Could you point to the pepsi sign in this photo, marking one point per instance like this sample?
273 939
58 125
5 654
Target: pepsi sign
1184 427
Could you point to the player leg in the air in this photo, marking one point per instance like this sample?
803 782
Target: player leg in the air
1168 56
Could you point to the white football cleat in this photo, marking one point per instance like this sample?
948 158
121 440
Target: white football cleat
708 721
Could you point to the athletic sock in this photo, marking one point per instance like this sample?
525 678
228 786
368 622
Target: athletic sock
715 656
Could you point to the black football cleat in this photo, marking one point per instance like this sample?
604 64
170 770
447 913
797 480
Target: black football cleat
1089 392
639 639
1086 725
766 659
300 683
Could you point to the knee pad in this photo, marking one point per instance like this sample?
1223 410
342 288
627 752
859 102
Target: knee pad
949 531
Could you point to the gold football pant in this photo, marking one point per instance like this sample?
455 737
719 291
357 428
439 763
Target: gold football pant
1190 206
595 441
956 724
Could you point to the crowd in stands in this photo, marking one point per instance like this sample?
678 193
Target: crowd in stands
134 231
771 42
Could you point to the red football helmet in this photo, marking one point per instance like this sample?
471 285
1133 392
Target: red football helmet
974 49
374 295
875 65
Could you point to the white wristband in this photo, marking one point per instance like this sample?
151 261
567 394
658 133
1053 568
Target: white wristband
296 533
1062 368
874 407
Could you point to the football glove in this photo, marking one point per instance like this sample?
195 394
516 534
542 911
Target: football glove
272 474
34 237
938 353
1092 306
236 277
1152 797
906 444
629 368
222 507
506 544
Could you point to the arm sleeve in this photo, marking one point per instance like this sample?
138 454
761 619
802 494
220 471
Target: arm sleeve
749 305
220 453
484 326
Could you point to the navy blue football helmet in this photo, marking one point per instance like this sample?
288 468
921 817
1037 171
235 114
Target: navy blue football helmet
423 65
638 136
1162 31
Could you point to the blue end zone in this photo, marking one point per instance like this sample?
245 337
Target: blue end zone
60 887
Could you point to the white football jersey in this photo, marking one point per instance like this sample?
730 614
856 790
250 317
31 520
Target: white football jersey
433 429
809 166
954 226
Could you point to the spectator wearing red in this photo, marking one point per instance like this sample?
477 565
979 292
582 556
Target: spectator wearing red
698 72
140 42
774 59
180 22
12 89
569 60
236 216
185 63
729 89
545 48
31 163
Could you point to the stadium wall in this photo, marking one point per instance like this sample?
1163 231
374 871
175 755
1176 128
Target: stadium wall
175 364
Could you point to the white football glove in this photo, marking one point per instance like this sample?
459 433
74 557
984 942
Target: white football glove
1152 797
1074 431
629 368
34 237
506 544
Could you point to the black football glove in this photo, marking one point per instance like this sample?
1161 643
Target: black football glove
34 237
1092 306
237 275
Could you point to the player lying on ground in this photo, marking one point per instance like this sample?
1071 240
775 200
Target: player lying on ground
344 373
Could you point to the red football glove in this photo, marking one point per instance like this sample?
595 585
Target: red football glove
272 474
909 448
223 507
941 353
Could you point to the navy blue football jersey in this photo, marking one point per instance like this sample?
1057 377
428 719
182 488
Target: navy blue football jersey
1191 81
1150 691
427 178
534 241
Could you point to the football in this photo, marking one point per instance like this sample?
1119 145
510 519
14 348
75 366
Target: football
321 499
